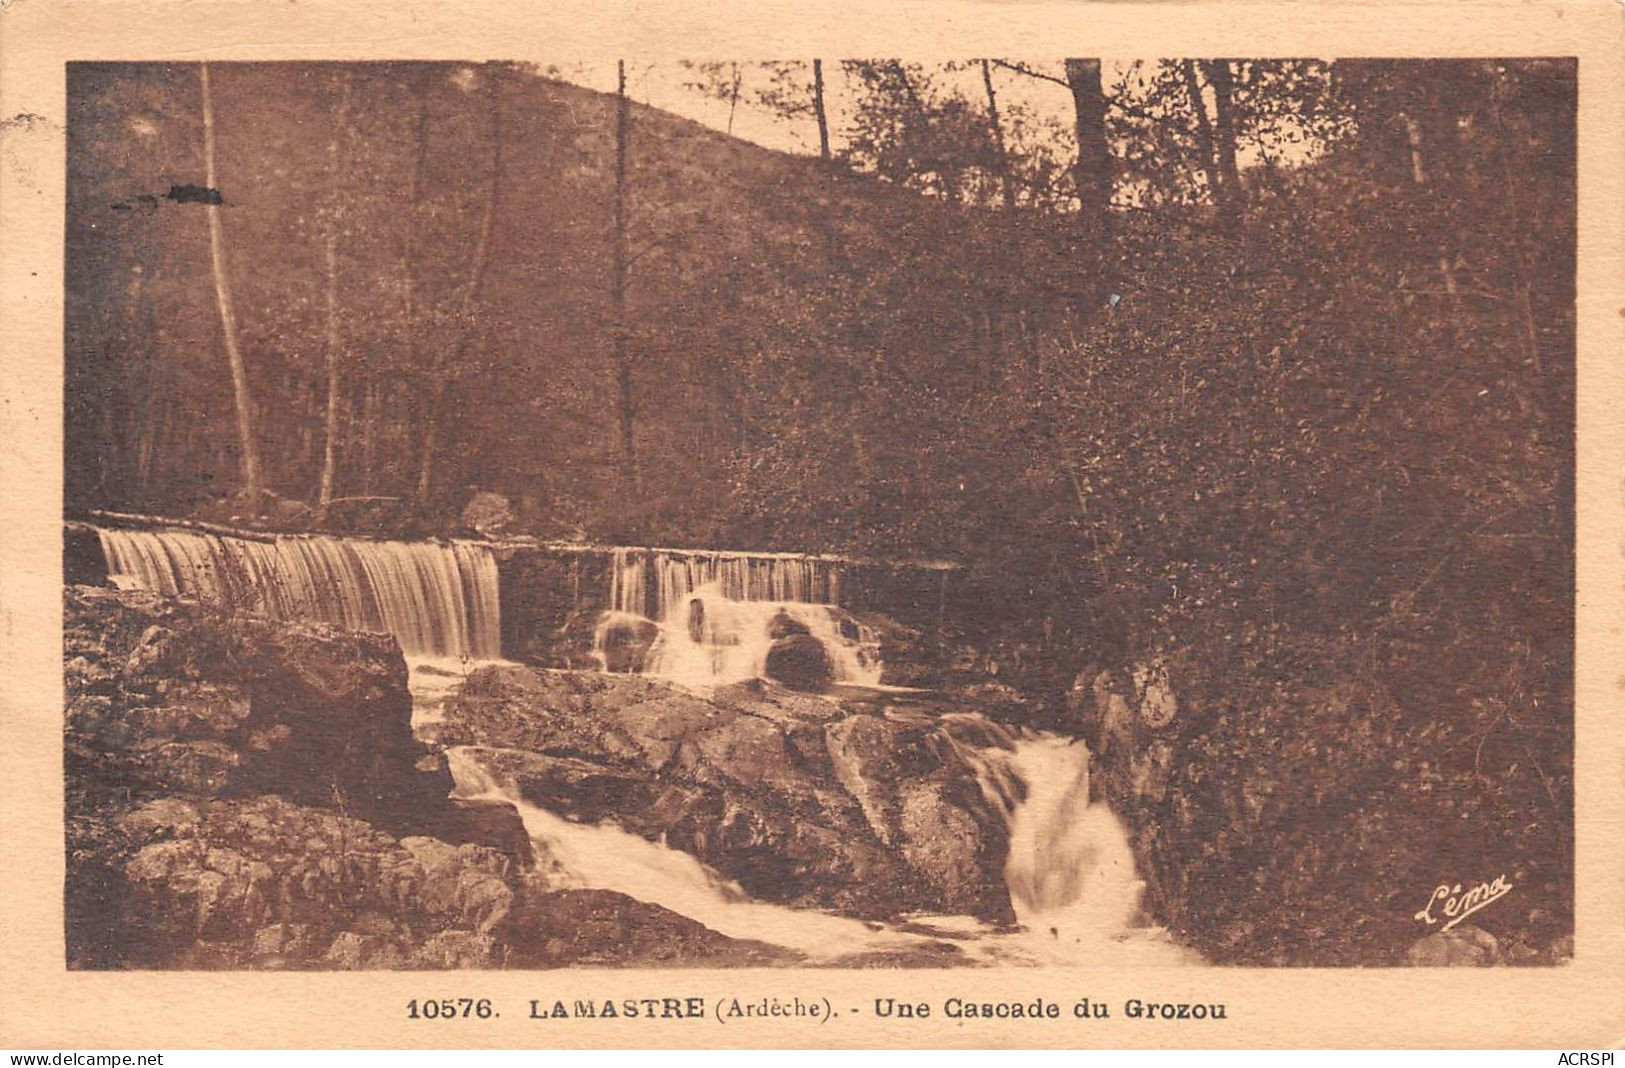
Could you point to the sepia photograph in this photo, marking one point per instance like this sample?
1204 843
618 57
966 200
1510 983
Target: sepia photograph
1009 512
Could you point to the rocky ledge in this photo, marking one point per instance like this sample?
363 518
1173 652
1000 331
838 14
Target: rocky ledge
800 800
243 793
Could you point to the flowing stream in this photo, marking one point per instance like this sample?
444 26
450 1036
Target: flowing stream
1070 872
1070 869
718 615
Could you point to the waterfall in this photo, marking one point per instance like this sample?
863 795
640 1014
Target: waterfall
718 614
1070 869
735 576
605 857
437 599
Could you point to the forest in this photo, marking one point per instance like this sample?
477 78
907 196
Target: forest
1265 363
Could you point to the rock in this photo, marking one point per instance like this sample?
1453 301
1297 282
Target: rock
266 883
783 626
167 698
83 562
1462 945
180 724
493 824
800 661
488 514
801 801
625 642
459 949
993 699
600 927
587 790
1158 705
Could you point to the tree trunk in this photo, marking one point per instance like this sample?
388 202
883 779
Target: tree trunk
733 97
1224 123
1091 170
1001 156
369 436
623 360
1204 133
409 312
247 437
330 250
818 110
440 373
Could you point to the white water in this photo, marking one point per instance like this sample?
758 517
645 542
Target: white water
437 599
604 857
1070 872
1070 869
714 613
723 640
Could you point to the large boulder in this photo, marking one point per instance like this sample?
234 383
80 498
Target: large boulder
601 927
800 661
624 642
166 698
796 798
264 883
783 625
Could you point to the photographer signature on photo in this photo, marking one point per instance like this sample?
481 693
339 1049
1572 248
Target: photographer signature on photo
1455 904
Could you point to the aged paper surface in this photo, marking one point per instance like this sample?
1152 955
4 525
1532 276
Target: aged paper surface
57 1001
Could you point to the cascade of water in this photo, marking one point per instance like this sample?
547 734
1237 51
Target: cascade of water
605 857
436 599
1070 869
713 639
716 613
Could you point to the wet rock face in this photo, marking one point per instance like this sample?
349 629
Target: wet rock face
782 625
800 661
800 801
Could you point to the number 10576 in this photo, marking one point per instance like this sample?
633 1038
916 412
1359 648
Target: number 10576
449 1009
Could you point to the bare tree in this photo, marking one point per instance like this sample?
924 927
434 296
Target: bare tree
439 372
1001 155
818 109
1204 130
330 255
1092 168
410 328
1224 129
623 359
247 438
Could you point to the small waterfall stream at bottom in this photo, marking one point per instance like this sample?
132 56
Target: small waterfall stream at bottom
1070 871
605 857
